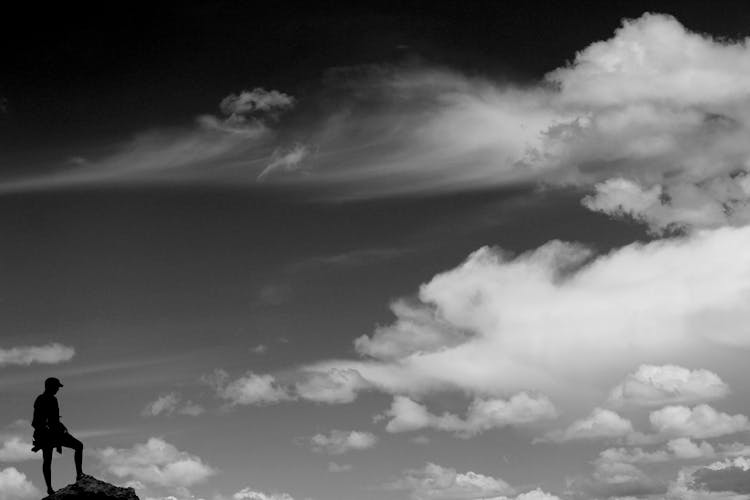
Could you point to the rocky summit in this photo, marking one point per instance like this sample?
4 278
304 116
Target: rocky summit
90 488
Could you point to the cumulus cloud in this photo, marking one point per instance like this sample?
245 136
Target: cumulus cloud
15 486
333 386
653 385
701 422
668 424
617 479
14 448
676 449
418 329
601 424
249 389
155 462
434 482
338 442
250 494
483 414
559 317
169 404
45 354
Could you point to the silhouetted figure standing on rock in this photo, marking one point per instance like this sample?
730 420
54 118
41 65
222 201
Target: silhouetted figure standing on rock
50 433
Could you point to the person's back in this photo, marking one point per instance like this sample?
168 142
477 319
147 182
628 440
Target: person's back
50 433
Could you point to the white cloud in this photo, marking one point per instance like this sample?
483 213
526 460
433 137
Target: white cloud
258 99
286 160
169 404
612 479
676 449
249 389
155 462
654 110
668 384
333 386
15 486
434 482
685 449
250 494
482 415
338 442
16 449
417 330
600 424
165 404
25 355
701 421
558 319
691 69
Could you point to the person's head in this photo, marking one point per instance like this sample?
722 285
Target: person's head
52 385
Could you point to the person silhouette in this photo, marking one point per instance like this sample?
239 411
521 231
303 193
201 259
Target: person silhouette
50 433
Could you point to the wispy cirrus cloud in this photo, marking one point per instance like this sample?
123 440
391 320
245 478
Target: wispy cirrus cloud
45 354
651 121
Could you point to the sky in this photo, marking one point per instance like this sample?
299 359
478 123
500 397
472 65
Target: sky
392 252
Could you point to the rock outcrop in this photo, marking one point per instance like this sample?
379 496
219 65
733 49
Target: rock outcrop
90 488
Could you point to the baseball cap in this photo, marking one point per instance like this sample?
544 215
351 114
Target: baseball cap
52 382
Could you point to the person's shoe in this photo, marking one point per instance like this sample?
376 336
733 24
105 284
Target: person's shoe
50 491
80 476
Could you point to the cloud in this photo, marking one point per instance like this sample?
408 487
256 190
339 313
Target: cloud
15 486
616 479
417 330
434 482
701 422
559 318
16 449
165 404
334 467
333 386
691 69
250 494
676 449
482 415
601 424
653 120
668 384
258 99
46 354
286 160
728 475
157 463
249 389
668 423
169 404
339 442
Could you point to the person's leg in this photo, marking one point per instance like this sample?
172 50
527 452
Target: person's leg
47 468
70 442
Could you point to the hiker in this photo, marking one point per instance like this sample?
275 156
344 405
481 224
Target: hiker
50 433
